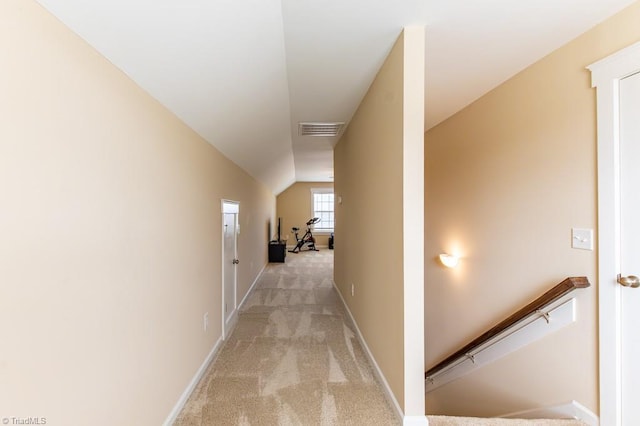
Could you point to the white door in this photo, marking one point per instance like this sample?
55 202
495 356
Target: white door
230 211
618 100
629 246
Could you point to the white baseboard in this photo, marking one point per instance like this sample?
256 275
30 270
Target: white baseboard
233 320
192 385
415 421
378 372
194 381
567 410
230 324
246 296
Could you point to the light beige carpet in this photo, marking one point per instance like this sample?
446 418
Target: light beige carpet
293 358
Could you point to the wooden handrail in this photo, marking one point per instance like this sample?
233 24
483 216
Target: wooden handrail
546 299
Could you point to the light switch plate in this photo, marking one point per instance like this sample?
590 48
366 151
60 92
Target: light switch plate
582 238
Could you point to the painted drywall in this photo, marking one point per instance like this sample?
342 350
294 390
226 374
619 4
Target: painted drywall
506 179
372 162
111 234
293 206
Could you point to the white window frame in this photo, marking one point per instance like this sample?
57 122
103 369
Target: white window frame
318 228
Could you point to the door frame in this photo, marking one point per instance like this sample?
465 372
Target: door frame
227 326
605 77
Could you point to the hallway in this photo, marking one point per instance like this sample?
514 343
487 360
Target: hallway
293 358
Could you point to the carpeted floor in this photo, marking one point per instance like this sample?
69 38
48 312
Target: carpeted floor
293 358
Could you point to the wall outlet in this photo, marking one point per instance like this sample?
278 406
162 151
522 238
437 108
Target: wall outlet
205 321
353 288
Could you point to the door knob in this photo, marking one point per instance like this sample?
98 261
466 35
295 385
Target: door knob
236 261
630 281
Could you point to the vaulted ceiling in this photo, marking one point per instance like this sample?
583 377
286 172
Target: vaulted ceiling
244 73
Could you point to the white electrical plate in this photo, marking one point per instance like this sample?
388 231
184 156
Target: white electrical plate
582 238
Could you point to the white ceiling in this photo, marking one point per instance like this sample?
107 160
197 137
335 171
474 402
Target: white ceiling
243 73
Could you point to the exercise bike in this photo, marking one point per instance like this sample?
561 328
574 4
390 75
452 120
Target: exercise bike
307 239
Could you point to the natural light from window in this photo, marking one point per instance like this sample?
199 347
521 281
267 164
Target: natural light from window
322 202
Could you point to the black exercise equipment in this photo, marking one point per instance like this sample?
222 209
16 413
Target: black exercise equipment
307 239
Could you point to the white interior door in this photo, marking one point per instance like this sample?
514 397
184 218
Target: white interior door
618 95
229 263
629 246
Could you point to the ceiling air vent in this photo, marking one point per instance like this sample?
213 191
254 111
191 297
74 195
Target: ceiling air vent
319 129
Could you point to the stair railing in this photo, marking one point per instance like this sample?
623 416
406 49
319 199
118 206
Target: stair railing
547 313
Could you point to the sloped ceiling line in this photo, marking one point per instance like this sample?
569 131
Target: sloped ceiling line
244 73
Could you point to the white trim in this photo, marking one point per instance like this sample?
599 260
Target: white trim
231 323
527 331
233 319
327 190
173 415
246 296
413 256
567 410
200 373
615 67
605 76
376 368
231 207
415 421
330 190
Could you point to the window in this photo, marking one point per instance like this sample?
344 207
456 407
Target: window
322 207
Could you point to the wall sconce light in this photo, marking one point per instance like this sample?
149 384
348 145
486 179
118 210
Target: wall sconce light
449 260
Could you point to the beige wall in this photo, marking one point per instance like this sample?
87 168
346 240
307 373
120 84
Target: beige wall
294 207
111 234
506 180
369 167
